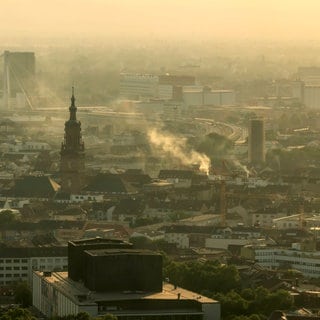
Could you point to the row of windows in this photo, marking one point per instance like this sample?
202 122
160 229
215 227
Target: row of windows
88 198
264 253
7 282
16 275
265 260
26 260
43 267
13 260
14 268
315 265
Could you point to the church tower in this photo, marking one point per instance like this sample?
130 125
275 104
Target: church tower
72 168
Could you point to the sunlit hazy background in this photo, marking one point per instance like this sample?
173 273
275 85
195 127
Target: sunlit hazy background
240 19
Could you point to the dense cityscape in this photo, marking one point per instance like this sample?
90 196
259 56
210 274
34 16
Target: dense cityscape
159 179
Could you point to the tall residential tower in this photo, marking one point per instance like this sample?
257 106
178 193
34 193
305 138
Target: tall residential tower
18 78
256 142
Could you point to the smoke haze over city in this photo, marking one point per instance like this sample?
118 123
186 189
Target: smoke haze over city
202 19
159 159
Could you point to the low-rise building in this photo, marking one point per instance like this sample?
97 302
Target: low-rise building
54 294
17 264
307 262
108 276
288 222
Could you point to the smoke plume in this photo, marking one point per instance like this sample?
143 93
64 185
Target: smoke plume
176 147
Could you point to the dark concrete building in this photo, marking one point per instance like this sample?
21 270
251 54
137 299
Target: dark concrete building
123 270
43 187
77 251
256 142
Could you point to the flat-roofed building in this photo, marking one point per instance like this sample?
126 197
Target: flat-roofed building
307 262
205 96
311 96
135 86
17 264
54 294
120 280
138 86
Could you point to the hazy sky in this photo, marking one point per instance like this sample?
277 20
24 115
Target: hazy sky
271 19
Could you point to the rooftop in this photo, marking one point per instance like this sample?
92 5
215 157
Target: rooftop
104 252
77 292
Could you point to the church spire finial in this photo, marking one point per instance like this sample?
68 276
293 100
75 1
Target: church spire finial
73 108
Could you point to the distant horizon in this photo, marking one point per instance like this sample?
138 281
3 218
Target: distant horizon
229 20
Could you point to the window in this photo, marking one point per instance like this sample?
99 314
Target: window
8 260
24 268
8 268
16 260
16 268
24 260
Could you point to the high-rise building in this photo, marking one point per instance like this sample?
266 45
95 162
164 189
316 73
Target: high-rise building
256 142
19 77
72 165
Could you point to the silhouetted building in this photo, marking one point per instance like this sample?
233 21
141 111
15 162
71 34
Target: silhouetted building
43 187
123 270
122 281
76 253
72 166
256 141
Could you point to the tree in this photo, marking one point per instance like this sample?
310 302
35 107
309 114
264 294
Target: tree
232 304
108 317
17 314
7 217
23 295
82 316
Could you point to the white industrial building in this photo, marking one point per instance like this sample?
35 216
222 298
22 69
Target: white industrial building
311 96
288 222
307 262
54 294
138 85
17 264
200 96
